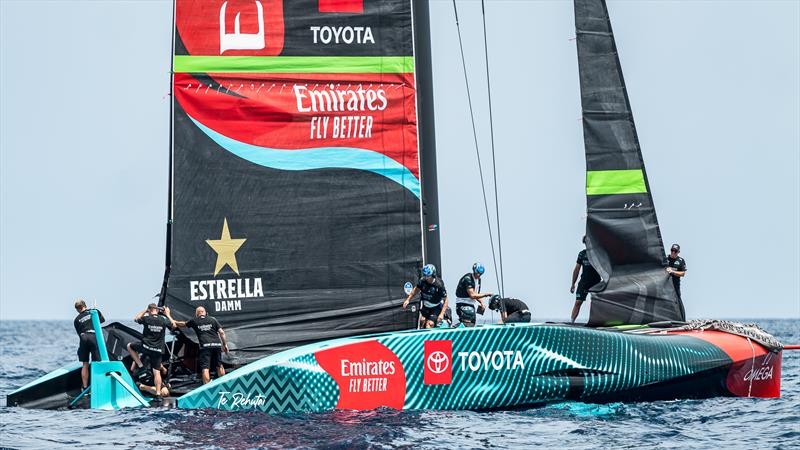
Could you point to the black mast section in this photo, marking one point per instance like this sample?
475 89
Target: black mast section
162 296
426 133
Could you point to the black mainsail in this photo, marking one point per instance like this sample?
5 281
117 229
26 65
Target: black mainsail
623 238
297 195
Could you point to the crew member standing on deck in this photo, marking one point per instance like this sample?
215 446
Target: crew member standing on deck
676 267
152 344
433 297
589 277
211 338
88 340
468 295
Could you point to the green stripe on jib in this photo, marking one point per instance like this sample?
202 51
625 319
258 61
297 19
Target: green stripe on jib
602 182
293 64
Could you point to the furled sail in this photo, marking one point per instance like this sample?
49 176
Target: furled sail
623 238
296 194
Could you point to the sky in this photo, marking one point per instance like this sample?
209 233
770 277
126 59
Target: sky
715 92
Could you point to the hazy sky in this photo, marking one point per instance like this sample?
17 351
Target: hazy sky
715 91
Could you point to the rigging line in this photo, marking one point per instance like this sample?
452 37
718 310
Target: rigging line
477 152
494 165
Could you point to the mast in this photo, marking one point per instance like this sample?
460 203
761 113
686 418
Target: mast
426 131
168 249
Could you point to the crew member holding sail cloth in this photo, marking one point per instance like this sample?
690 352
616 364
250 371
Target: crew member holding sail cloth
433 297
211 338
88 340
468 294
589 277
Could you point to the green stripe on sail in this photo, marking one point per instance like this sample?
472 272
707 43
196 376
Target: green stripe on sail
600 182
293 64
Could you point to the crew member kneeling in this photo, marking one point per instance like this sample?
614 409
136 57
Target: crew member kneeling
211 338
433 297
511 309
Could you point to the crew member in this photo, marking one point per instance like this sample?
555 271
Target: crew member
511 310
88 341
211 338
152 344
676 267
589 277
433 297
468 294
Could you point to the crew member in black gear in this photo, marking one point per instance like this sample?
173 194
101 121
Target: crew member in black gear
468 294
152 344
511 310
433 298
211 338
676 267
88 341
589 277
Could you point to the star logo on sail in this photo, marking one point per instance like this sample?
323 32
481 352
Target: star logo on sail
226 249
227 294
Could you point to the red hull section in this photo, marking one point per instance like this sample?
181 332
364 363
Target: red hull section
755 372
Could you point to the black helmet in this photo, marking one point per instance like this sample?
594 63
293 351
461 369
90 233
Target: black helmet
494 303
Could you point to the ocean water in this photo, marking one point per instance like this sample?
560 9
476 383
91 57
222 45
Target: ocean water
31 349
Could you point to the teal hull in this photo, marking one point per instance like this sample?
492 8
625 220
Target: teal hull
487 367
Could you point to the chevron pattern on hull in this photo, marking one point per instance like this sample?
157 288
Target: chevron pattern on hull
293 387
487 367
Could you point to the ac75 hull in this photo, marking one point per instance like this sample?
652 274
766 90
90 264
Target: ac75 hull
496 367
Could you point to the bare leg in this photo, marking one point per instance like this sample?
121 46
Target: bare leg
429 324
157 380
206 376
220 370
134 355
152 391
85 375
576 310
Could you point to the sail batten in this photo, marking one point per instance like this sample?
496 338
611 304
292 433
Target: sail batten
623 237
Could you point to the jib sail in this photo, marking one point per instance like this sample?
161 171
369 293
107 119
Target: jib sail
296 192
623 238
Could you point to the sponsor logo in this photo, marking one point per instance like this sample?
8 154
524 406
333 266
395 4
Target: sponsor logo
238 40
264 39
328 98
342 35
760 374
438 362
338 34
368 374
494 360
227 294
408 287
764 372
238 400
